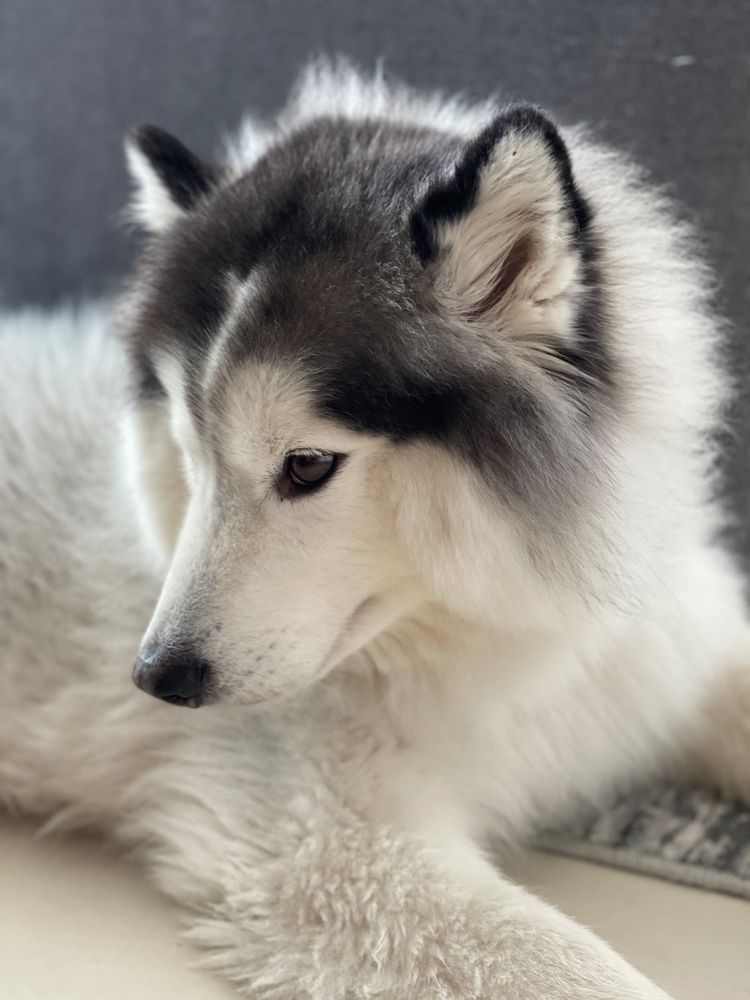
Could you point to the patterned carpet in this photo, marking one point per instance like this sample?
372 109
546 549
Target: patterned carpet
683 834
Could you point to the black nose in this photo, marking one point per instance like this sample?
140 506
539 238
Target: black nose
178 679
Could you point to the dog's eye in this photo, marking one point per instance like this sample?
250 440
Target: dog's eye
309 469
306 471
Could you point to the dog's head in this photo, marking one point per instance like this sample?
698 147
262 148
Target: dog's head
370 377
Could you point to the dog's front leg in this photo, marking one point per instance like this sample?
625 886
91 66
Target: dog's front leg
306 899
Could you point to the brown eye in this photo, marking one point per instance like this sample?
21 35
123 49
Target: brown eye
306 470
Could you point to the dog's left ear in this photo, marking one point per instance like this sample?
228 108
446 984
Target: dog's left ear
169 180
503 231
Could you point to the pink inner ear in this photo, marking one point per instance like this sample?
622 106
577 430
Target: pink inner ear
500 283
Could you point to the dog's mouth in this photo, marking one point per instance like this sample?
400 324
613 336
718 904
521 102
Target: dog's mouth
195 702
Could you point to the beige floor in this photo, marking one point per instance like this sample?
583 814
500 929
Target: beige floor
75 924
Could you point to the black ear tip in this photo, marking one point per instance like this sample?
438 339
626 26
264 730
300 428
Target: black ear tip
528 117
140 132
185 176
153 141
532 120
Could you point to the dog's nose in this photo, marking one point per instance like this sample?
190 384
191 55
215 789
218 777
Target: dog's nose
177 679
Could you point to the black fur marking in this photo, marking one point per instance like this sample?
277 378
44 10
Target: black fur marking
183 174
364 395
449 199
591 354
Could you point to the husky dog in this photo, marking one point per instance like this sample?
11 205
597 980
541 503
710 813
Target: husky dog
414 498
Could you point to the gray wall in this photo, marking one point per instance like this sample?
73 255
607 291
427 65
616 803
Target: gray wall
668 80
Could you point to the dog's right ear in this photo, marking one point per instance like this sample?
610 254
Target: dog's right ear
504 232
169 180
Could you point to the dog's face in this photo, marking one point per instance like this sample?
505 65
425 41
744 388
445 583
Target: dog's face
369 378
286 557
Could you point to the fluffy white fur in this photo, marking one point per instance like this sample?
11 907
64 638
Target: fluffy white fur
331 844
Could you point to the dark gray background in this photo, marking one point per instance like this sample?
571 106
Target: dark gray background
667 80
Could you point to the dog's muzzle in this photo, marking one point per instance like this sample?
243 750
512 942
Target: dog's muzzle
178 679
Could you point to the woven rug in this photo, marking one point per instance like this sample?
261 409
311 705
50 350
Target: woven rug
683 834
